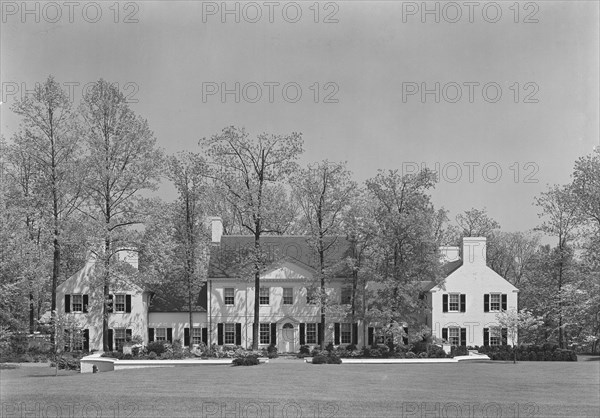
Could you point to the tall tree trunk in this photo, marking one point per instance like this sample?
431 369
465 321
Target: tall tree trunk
323 291
255 324
31 313
106 293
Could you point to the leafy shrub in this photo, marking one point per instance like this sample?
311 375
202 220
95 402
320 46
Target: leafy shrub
152 355
251 360
67 363
158 347
435 351
384 349
315 352
329 347
460 350
330 359
375 353
410 354
422 355
342 353
545 352
419 347
351 347
305 350
272 351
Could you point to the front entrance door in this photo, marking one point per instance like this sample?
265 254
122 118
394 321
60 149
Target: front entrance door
287 338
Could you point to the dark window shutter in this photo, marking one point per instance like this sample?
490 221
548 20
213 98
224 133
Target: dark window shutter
444 303
128 303
405 338
319 333
186 337
336 333
86 340
463 303
486 303
110 306
486 336
128 334
170 335
504 301
504 336
463 336
445 334
67 303
370 331
355 333
110 340
273 333
302 334
205 335
238 334
219 334
85 303
150 335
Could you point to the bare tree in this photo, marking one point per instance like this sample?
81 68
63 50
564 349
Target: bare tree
324 191
49 135
122 161
251 172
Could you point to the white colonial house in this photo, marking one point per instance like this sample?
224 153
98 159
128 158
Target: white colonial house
462 308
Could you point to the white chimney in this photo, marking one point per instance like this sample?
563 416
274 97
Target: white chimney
449 254
474 251
216 225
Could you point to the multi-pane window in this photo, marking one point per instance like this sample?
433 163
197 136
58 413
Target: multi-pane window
454 336
229 295
346 333
453 302
77 303
288 296
495 336
229 333
160 334
74 339
119 303
379 335
346 295
265 333
196 335
495 302
78 338
311 333
310 297
120 337
263 297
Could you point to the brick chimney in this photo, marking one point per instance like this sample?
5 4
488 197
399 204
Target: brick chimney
474 251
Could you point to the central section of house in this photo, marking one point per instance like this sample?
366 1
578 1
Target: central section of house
289 286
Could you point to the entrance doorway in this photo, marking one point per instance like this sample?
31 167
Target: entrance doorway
287 338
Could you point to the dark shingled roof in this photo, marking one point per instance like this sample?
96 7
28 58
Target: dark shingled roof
231 256
166 299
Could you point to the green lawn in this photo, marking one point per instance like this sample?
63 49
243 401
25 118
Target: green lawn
542 389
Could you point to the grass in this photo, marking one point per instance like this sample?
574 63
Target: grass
541 389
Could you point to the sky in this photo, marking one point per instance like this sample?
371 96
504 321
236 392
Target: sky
500 98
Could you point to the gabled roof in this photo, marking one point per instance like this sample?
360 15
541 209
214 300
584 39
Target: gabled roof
447 270
230 259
